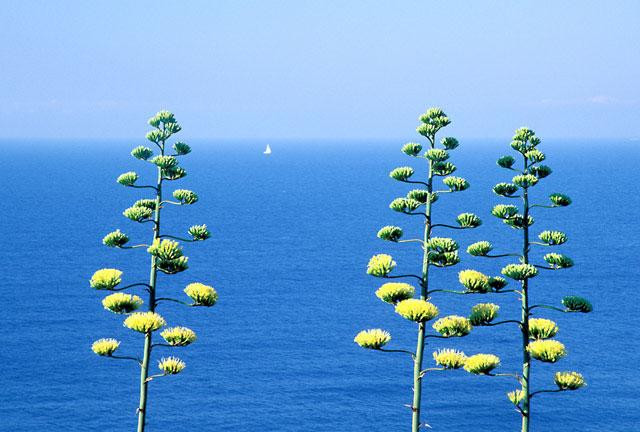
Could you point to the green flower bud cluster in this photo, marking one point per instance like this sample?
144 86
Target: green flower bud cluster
416 310
474 281
517 221
394 292
105 347
569 380
506 161
481 248
162 117
115 239
142 152
436 155
380 265
175 173
170 259
121 303
185 196
577 304
504 211
404 205
456 184
540 171
421 195
483 313
432 121
515 396
558 261
156 136
442 244
497 283
560 200
525 180
128 178
106 279
505 189
201 294
553 238
199 232
144 322
524 140
138 214
450 358
412 149
171 365
372 338
535 156
165 162
541 328
449 143
146 203
444 259
442 169
548 351
178 336
453 326
390 233
181 148
519 271
468 220
481 364
401 173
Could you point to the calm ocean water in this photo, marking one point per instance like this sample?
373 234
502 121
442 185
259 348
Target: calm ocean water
292 234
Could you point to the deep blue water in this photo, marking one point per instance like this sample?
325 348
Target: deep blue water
292 234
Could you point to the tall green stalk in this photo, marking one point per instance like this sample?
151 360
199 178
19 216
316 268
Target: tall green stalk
166 257
536 332
436 251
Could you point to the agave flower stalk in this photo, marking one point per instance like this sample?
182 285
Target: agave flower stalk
166 257
537 333
436 252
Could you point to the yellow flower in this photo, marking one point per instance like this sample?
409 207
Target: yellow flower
372 338
483 313
474 281
549 351
201 294
121 303
481 364
393 292
105 347
569 380
515 396
106 279
453 326
450 358
178 336
171 365
540 328
144 322
416 310
380 265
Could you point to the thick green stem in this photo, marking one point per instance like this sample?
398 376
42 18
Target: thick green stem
526 358
148 342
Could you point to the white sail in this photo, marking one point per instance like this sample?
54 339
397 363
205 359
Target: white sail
267 151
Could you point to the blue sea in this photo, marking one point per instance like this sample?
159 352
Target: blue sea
292 234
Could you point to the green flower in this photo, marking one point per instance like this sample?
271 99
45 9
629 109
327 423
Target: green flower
199 232
453 326
577 304
412 149
505 189
201 294
569 380
416 310
481 364
173 266
515 396
171 365
394 292
174 173
474 281
156 136
170 258
404 205
449 143
517 221
144 322
506 161
401 173
421 196
178 336
525 180
468 220
138 214
128 178
372 338
436 155
553 238
548 351
481 248
165 162
443 168
483 313
380 265
115 239
519 271
560 200
497 283
106 279
524 140
162 117
442 244
181 148
444 259
146 203
142 152
456 184
540 171
121 303
540 328
433 120
390 233
504 211
558 261
450 358
105 347
185 196
535 156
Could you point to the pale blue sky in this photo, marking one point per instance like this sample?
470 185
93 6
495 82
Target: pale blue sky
321 69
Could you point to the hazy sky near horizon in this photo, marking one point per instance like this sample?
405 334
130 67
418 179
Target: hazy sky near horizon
319 69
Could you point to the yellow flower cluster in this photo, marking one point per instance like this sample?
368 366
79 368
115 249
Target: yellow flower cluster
569 380
453 326
549 351
380 265
416 310
171 365
144 322
393 292
179 336
540 328
481 364
450 358
105 347
483 313
372 338
474 281
515 396
106 279
201 294
121 303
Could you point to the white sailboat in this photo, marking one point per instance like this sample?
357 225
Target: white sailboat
267 151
